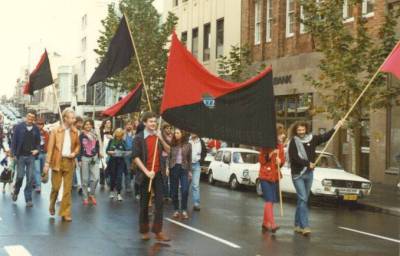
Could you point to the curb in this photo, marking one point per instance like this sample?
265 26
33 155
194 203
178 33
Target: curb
395 211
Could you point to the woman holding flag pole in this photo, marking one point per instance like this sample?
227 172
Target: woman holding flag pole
270 162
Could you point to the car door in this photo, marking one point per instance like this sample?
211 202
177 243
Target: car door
225 166
216 166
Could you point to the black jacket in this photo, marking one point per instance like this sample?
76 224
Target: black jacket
140 151
296 163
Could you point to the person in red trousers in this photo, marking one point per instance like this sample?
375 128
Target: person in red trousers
269 176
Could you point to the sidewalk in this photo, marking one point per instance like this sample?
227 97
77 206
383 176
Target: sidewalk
383 198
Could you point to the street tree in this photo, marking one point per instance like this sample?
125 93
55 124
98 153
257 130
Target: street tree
350 55
151 37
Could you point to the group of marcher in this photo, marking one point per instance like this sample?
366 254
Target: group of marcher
157 166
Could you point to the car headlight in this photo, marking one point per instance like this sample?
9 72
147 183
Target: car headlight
245 173
326 183
366 185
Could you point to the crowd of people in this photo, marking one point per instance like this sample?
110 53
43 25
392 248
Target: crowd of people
156 166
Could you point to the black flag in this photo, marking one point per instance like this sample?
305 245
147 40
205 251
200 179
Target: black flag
118 56
40 77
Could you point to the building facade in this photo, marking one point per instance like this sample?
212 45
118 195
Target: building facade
208 27
276 37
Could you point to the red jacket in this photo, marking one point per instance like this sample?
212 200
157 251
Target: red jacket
268 167
46 137
214 144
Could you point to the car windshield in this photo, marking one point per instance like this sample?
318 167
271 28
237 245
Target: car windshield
245 158
329 161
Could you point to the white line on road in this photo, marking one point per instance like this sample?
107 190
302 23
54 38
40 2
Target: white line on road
16 250
373 235
204 234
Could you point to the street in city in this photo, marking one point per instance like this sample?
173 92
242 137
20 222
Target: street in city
228 224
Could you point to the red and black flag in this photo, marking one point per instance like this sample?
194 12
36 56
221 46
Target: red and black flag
40 76
199 102
118 56
128 104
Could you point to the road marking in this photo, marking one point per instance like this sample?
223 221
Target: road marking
373 235
16 250
204 234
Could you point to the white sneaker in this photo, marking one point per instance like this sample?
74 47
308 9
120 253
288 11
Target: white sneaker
119 197
112 195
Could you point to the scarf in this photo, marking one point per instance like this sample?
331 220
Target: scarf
301 151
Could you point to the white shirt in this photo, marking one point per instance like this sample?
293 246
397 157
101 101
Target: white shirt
196 150
66 150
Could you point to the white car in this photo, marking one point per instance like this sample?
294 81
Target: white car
235 166
330 180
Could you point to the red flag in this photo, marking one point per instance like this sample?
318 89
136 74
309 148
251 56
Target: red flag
128 104
40 77
392 63
197 101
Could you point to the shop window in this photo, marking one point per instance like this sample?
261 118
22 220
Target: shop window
292 108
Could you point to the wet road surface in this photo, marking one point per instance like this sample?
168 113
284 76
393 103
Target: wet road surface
229 223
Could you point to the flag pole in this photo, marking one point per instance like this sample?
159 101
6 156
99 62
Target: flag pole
280 190
58 104
355 103
94 102
138 61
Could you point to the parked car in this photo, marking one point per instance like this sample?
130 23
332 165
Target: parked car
330 180
235 166
206 163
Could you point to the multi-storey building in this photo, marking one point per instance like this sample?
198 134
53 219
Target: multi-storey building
276 37
208 27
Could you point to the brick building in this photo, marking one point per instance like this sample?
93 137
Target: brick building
276 37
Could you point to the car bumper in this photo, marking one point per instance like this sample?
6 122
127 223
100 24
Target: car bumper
341 192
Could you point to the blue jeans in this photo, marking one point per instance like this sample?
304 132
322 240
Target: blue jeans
303 187
196 171
25 166
39 164
179 175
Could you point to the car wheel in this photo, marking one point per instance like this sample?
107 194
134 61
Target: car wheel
211 178
233 183
258 188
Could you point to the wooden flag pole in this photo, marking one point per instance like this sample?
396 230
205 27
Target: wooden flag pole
155 153
58 104
94 102
280 190
354 105
138 61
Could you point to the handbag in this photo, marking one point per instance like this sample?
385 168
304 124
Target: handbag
6 176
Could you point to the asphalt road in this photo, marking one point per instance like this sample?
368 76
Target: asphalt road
228 224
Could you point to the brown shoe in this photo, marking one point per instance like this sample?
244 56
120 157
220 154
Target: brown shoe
162 237
67 218
52 212
146 237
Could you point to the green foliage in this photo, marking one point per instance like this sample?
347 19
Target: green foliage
151 37
236 67
350 57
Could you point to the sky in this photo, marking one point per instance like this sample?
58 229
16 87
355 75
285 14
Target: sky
37 24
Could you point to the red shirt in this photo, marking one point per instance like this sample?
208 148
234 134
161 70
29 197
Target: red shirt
151 142
268 168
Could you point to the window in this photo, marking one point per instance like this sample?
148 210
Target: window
227 157
195 42
257 21
368 7
206 42
302 26
269 21
184 38
292 108
220 38
290 18
347 10
218 156
175 2
83 44
84 21
245 158
83 66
